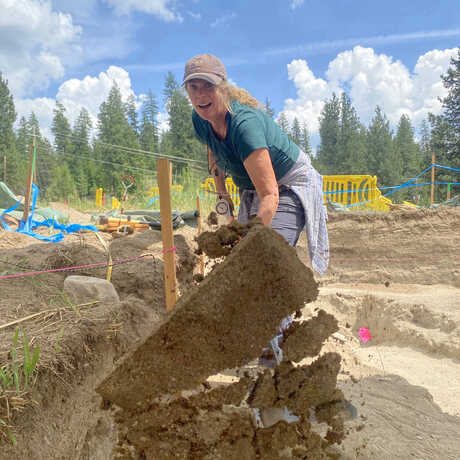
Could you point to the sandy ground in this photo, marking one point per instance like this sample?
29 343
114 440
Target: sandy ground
396 273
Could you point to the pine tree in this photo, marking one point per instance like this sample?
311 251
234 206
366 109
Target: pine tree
442 134
329 131
46 161
114 128
62 186
17 180
351 148
83 170
381 158
60 128
283 122
406 148
305 140
268 109
424 143
180 139
451 106
149 127
131 113
8 154
296 132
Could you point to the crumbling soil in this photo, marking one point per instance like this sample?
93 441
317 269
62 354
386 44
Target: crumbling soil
225 333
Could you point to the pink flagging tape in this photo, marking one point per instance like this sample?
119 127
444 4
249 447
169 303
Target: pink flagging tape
78 267
173 249
365 334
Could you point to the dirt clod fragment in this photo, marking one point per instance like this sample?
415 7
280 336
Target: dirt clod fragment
306 338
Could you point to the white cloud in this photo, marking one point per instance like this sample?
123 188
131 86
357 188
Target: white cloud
163 9
74 94
223 20
311 92
36 43
370 79
296 3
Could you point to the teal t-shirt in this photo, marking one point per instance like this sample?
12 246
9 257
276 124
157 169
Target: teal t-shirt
248 129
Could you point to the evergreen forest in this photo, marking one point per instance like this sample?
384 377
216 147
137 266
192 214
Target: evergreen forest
126 140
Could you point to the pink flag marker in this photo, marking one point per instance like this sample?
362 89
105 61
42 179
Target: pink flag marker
365 334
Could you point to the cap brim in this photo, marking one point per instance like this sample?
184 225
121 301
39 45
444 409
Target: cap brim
210 77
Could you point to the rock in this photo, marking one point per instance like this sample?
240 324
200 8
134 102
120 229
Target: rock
82 289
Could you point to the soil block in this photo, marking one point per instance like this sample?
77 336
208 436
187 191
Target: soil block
222 323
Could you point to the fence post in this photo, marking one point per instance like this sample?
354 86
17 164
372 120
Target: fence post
30 175
198 208
448 190
164 184
433 158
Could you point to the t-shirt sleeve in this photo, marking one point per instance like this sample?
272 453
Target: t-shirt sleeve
249 136
200 130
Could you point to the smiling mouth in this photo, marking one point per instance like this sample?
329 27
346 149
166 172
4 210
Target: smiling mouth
204 106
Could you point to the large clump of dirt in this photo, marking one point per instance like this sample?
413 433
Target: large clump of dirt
224 323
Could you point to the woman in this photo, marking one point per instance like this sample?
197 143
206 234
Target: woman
276 179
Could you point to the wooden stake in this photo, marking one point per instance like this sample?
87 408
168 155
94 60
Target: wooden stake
198 208
432 177
25 215
164 184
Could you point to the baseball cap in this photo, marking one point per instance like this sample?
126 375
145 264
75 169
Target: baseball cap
205 67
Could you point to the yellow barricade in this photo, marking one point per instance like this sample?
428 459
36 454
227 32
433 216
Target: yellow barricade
98 199
155 191
209 186
115 203
343 189
353 189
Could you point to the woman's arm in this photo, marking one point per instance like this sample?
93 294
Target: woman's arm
259 167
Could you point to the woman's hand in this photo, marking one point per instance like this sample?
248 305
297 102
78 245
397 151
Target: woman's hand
259 167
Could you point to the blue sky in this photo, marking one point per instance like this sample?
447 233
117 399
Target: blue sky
295 52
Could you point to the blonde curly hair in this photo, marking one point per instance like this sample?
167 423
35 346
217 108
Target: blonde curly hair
233 93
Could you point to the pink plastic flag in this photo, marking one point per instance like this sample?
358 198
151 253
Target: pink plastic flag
365 334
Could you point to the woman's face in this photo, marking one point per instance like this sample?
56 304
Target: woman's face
206 99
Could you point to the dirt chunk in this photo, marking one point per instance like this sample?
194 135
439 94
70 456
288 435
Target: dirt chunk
304 387
221 324
307 338
220 243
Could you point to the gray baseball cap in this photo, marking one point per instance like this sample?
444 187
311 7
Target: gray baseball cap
205 67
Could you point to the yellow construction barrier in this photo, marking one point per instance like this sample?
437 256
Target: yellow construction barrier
343 189
353 189
209 186
155 191
98 199
115 203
